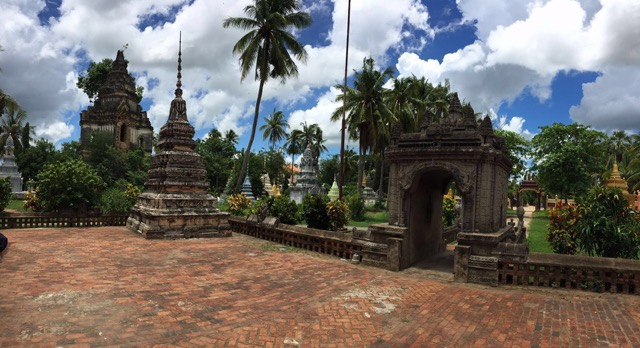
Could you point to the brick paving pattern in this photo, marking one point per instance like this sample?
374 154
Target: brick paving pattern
110 287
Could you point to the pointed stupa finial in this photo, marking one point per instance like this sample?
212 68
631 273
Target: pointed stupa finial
455 108
179 83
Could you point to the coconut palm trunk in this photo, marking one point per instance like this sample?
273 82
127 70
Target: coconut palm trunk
247 153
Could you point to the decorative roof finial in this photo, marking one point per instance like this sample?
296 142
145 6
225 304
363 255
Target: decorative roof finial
179 83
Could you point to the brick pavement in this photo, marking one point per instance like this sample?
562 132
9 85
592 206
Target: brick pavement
110 287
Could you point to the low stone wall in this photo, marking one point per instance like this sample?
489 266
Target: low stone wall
596 274
43 220
339 244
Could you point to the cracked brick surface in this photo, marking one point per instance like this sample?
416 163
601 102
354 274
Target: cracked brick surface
110 287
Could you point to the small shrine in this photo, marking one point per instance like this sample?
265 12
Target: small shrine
116 111
334 192
368 195
616 180
9 168
175 203
307 182
246 187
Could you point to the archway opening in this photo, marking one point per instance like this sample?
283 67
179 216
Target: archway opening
431 227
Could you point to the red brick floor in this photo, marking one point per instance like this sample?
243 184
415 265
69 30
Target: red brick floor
110 287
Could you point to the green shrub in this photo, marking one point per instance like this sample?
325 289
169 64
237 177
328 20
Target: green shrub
132 192
238 204
71 184
339 214
285 209
31 202
448 211
314 208
5 192
607 225
356 207
562 232
260 207
115 201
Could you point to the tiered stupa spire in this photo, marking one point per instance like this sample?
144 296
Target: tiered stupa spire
175 203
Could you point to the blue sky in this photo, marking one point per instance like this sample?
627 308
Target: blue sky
526 63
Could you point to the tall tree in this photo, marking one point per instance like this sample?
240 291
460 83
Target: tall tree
274 129
11 125
266 46
231 137
367 113
294 146
92 80
217 155
518 150
566 158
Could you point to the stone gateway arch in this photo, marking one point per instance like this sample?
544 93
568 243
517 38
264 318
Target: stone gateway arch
455 148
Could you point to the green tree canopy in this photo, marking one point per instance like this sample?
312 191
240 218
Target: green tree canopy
267 46
568 157
31 161
217 155
95 76
518 149
68 185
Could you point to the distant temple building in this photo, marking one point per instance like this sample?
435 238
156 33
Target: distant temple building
116 110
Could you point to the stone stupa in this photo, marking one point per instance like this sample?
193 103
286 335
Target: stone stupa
175 203
9 168
307 183
334 191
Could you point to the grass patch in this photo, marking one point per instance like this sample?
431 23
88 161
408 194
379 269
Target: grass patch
17 205
370 218
544 214
280 248
538 235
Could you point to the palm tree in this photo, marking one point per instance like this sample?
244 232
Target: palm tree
632 168
11 124
274 128
401 101
426 96
267 46
617 145
231 136
294 146
313 139
366 109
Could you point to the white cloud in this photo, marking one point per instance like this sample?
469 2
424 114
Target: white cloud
523 48
515 124
608 104
54 132
320 114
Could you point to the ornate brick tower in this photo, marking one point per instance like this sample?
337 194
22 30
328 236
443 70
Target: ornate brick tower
116 110
175 203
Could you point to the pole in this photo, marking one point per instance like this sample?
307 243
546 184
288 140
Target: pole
344 106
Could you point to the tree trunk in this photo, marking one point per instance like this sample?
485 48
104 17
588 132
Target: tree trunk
247 153
360 171
291 168
381 175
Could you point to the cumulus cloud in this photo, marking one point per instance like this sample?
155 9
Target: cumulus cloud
530 42
611 102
